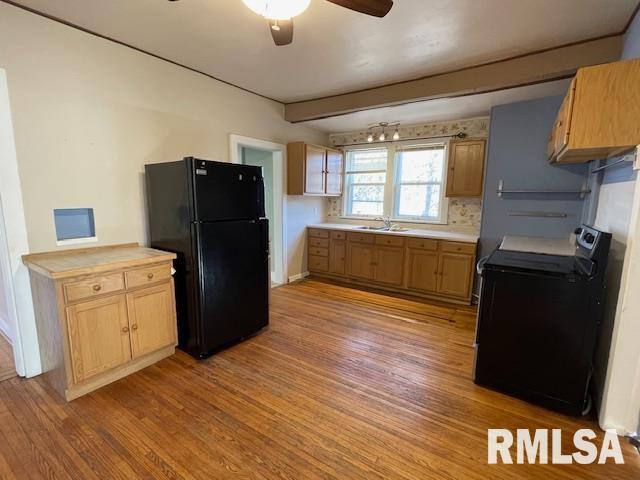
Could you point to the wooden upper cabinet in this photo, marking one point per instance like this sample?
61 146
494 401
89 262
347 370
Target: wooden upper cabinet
599 115
98 336
466 168
152 319
314 170
335 166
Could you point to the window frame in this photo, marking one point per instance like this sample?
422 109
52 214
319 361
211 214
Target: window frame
391 189
347 201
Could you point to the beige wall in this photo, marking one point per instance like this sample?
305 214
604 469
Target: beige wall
89 114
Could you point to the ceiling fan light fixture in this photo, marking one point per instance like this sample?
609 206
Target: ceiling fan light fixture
277 9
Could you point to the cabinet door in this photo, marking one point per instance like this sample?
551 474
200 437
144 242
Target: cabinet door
152 319
455 276
466 168
423 270
337 256
360 260
334 172
563 123
98 336
389 262
314 179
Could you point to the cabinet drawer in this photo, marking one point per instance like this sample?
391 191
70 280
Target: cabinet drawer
335 235
360 238
389 240
423 243
147 276
318 233
318 242
452 247
318 264
92 287
319 252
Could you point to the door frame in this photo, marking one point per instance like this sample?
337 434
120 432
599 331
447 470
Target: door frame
13 244
279 157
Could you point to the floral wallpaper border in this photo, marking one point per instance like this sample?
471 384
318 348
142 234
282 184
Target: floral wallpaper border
473 127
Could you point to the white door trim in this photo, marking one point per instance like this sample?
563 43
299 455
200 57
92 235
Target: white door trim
14 244
279 152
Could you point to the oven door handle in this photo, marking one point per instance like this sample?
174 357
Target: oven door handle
480 265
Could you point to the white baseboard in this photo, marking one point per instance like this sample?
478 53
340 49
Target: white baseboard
299 276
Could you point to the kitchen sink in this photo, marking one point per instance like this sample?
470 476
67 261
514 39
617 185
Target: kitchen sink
383 229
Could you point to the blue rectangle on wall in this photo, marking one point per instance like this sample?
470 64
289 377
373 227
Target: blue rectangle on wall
74 223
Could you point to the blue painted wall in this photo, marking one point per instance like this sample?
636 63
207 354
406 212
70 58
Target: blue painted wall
518 155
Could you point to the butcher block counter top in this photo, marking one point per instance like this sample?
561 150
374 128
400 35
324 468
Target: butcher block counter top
87 261
420 233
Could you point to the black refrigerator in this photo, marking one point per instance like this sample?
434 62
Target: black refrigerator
211 214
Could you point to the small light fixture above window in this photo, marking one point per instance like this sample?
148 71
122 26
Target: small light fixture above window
381 136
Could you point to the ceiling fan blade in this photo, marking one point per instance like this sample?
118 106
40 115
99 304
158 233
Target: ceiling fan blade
281 31
376 8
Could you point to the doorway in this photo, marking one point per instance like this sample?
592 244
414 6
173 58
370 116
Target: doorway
7 363
270 157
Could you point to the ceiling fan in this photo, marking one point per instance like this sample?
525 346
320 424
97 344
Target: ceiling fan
280 13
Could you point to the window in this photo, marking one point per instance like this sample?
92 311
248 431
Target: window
365 179
412 191
418 186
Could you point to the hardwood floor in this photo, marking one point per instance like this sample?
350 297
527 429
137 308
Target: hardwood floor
343 384
7 367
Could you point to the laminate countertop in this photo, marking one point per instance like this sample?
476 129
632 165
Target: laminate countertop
87 261
420 233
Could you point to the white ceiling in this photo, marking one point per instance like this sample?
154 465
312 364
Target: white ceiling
443 109
336 50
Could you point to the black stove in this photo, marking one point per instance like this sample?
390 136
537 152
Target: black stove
538 322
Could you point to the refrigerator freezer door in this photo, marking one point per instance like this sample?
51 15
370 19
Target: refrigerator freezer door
227 191
234 281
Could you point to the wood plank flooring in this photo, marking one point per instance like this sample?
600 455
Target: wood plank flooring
7 367
342 385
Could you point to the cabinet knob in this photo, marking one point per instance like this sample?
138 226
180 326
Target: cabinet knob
149 276
125 329
134 326
97 288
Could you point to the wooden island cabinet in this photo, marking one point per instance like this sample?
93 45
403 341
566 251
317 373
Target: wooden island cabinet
425 267
101 313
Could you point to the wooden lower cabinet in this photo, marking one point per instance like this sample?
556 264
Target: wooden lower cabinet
456 274
388 265
151 319
337 257
423 267
98 336
360 261
422 270
101 314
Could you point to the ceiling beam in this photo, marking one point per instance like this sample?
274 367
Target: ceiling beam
532 68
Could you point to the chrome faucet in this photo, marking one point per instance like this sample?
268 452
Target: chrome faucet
386 221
